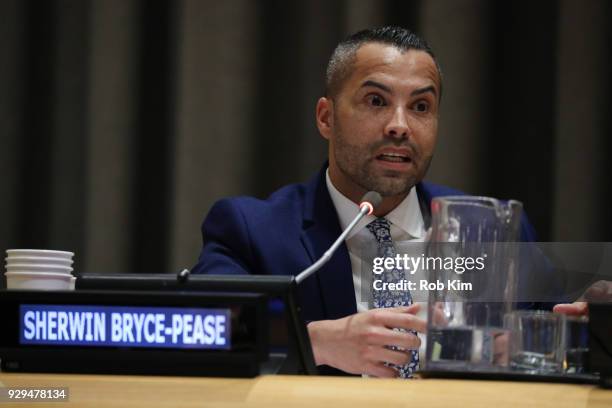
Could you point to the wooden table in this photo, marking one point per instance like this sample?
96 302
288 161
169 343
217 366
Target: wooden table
311 392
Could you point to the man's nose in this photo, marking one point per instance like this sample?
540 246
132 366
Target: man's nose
397 127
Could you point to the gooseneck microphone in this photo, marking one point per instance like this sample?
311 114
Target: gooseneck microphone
368 203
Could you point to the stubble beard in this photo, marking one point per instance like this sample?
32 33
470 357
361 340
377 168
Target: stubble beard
357 162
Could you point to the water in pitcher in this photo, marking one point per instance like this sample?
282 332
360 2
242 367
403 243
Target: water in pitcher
466 329
469 346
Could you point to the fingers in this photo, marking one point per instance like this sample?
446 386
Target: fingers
412 309
382 354
393 356
389 337
594 294
428 234
405 319
380 370
572 309
600 291
500 349
439 316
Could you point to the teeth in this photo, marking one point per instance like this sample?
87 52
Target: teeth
394 157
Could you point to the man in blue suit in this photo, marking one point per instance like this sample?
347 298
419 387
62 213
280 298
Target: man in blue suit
380 116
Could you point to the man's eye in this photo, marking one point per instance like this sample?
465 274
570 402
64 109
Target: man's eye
376 100
421 106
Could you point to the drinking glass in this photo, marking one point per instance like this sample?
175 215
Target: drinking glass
537 341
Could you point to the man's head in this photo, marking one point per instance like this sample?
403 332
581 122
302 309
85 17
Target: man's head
380 113
341 62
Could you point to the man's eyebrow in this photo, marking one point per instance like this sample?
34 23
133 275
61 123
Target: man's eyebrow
421 91
385 88
376 85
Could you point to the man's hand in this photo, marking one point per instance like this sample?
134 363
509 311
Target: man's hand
600 291
356 343
572 309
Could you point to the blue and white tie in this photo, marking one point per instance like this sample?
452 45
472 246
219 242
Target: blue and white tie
381 230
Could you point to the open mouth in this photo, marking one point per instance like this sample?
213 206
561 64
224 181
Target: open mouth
394 158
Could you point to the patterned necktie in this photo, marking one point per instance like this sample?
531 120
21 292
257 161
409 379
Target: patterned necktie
381 230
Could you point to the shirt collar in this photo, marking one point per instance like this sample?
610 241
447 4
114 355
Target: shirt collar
406 216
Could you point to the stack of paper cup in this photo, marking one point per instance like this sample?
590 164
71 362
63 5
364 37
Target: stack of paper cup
39 269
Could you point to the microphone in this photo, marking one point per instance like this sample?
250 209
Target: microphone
183 276
368 203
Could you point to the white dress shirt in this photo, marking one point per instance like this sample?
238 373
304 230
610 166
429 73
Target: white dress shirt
406 225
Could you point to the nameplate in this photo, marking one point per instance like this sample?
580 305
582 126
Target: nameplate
116 326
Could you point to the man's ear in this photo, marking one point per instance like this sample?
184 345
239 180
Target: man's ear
325 117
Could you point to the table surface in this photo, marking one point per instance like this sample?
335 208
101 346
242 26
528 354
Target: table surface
282 391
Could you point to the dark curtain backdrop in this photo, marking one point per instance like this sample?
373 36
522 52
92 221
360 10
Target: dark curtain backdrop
122 121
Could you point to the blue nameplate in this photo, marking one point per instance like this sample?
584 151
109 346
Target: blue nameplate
113 326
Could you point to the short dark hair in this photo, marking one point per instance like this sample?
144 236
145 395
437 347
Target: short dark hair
341 62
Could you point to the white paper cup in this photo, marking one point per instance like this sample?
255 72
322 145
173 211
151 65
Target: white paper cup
46 253
39 281
35 260
39 268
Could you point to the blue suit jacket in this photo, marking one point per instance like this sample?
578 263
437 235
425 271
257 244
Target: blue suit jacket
285 234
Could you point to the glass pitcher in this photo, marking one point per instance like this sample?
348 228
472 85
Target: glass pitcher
466 320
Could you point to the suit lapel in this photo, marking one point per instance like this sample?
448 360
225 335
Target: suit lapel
320 229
